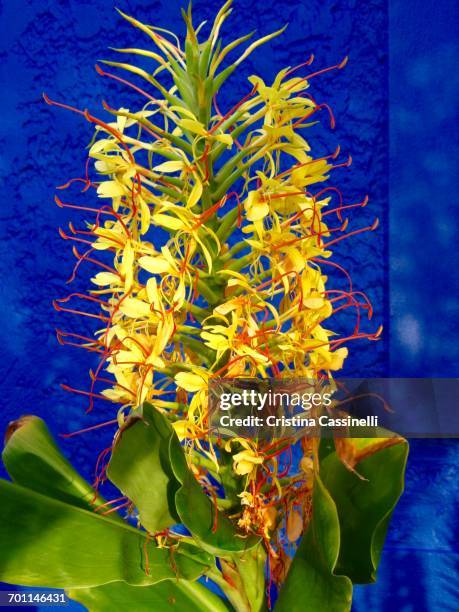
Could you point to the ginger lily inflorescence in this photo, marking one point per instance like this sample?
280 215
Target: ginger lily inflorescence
212 237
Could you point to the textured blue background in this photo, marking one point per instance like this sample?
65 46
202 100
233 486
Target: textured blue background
408 266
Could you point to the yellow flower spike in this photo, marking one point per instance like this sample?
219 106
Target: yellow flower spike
246 498
181 297
165 329
337 358
168 221
156 265
256 207
183 429
111 189
135 308
154 297
126 268
101 279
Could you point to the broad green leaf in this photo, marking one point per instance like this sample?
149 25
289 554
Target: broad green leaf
140 468
326 447
199 513
365 504
150 467
167 595
33 460
46 542
311 582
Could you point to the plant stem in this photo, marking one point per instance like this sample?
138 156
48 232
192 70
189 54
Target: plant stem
235 250
227 224
206 600
235 594
197 311
242 579
240 263
208 293
251 568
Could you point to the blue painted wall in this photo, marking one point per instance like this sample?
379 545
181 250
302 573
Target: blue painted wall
51 45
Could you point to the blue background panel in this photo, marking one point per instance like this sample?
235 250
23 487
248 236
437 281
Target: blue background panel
424 173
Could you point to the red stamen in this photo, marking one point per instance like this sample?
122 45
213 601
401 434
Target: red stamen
125 82
109 503
85 430
127 503
87 393
370 228
346 207
295 68
233 109
61 335
334 265
78 312
74 238
82 296
62 204
324 70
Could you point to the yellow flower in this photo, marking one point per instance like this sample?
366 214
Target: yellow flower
245 461
192 382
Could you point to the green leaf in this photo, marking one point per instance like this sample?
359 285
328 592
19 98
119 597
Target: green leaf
352 506
33 460
222 76
365 504
218 58
215 532
140 468
232 483
149 466
46 542
167 595
312 572
326 447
